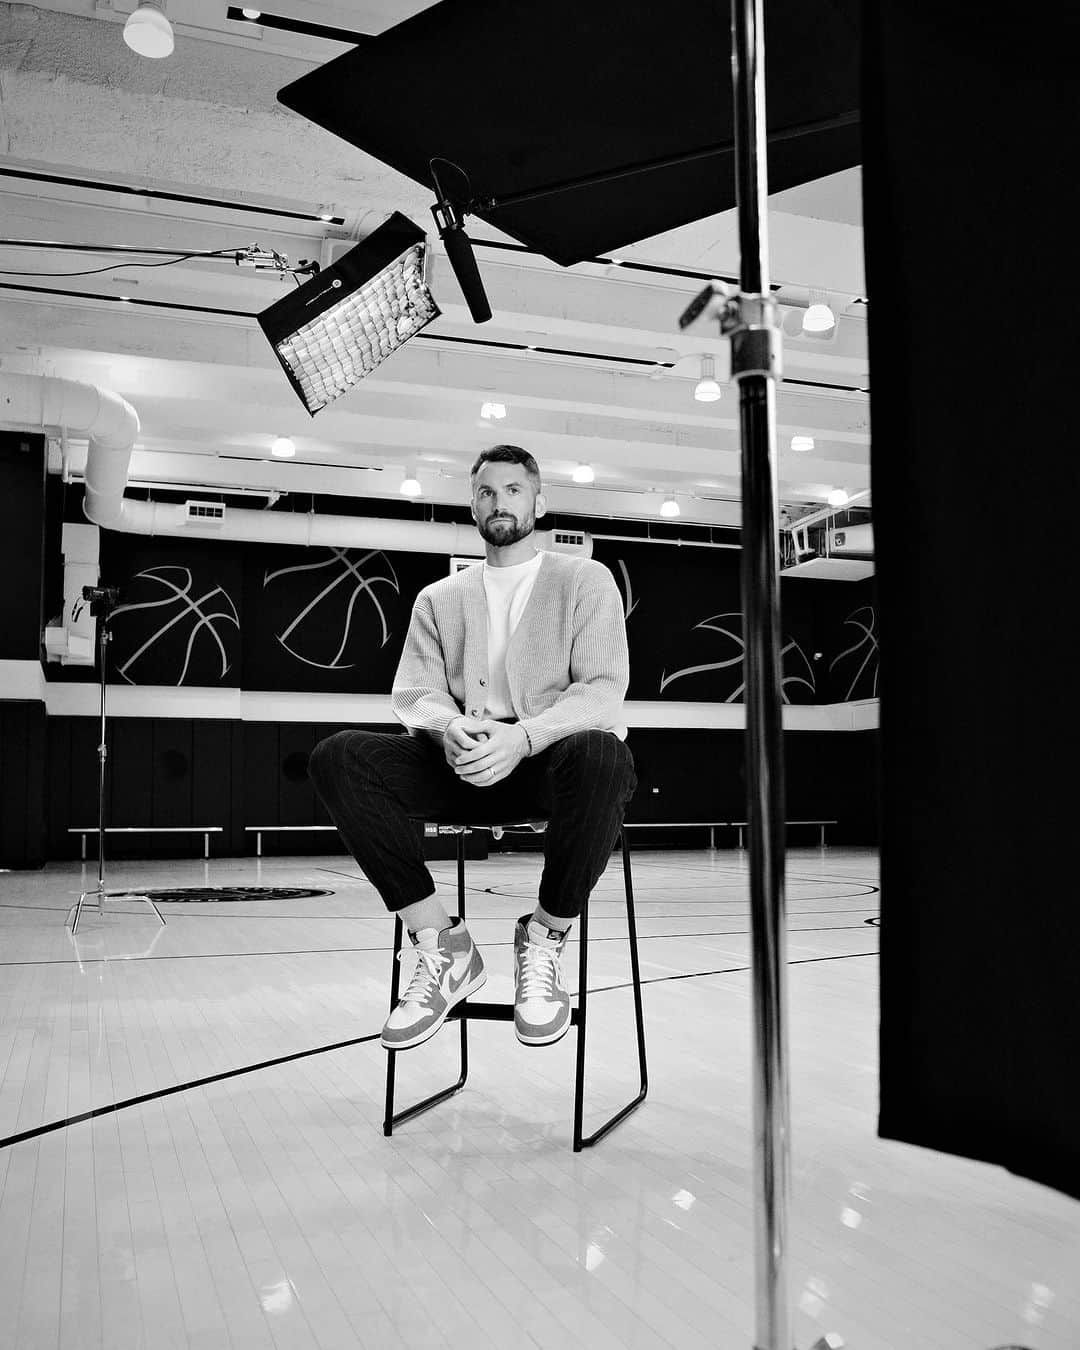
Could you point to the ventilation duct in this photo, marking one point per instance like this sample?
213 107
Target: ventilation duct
111 424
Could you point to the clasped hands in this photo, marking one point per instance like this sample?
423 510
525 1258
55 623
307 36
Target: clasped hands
482 751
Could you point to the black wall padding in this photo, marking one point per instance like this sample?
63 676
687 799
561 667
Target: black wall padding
176 771
975 476
22 544
22 784
160 771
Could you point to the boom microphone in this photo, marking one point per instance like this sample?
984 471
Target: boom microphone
449 218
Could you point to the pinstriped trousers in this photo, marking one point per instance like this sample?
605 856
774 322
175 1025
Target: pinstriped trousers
376 785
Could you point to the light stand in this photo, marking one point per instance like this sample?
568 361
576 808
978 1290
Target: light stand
749 318
103 601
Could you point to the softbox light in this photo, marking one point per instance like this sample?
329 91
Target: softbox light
344 322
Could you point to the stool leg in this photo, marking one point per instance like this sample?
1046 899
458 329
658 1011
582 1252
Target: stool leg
391 1055
581 1141
390 1116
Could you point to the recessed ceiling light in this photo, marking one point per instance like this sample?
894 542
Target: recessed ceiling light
148 30
493 411
283 448
837 497
584 474
802 442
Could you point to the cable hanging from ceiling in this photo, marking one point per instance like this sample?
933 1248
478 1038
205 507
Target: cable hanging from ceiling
244 255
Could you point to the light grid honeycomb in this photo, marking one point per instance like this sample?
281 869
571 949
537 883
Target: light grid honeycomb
333 352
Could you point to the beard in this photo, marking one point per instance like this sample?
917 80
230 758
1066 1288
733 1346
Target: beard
503 531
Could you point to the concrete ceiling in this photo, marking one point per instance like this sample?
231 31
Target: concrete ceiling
610 381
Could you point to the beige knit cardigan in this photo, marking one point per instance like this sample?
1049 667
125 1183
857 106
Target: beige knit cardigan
567 663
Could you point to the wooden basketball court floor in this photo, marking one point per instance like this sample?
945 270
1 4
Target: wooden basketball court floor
191 1151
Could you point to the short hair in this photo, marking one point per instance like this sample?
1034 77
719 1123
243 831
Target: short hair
507 454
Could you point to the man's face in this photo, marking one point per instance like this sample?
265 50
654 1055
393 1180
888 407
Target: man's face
505 503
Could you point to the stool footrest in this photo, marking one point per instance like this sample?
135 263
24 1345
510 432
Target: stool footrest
472 1011
482 1012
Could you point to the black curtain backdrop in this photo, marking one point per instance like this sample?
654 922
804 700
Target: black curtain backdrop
966 122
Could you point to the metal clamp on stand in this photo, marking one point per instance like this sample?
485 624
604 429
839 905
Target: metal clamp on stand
752 322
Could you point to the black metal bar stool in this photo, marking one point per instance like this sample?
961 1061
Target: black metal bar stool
470 1009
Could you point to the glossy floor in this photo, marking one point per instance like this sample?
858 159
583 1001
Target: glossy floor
242 1194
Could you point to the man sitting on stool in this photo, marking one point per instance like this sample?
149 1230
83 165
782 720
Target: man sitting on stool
512 675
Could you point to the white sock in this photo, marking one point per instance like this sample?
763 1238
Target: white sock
427 939
547 929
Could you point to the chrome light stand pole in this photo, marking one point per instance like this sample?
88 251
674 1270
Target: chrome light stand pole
755 364
102 601
749 318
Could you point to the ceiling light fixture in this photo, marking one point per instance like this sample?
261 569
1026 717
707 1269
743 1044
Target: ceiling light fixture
344 322
584 474
410 484
493 412
837 497
707 390
669 507
818 318
252 14
283 447
326 212
148 30
802 443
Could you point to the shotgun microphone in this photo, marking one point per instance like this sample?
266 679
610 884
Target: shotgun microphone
449 219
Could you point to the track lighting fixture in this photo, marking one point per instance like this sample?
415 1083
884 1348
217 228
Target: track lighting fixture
669 507
148 30
410 484
707 390
819 318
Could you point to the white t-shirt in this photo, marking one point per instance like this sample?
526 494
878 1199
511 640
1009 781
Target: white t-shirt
507 590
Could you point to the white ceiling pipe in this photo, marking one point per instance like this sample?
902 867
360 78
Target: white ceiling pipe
304 528
110 422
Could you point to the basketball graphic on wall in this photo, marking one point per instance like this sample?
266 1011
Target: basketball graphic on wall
706 662
337 607
174 627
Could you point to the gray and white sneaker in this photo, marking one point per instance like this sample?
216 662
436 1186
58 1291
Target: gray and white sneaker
541 1003
442 978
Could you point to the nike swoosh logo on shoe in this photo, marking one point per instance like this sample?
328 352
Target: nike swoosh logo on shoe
455 983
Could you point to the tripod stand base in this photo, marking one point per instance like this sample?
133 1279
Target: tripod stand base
103 897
